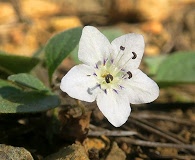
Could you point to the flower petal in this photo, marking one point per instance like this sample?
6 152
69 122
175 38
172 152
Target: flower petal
114 106
133 51
80 83
140 88
93 46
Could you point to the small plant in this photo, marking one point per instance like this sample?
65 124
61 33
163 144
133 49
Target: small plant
109 74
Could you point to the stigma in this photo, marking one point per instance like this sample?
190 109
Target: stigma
108 78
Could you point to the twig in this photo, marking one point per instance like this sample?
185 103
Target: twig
155 144
156 130
112 133
163 117
178 157
93 127
18 10
99 131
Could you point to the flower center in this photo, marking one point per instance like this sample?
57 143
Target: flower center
110 75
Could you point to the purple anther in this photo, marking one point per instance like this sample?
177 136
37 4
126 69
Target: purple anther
115 91
121 87
96 66
104 62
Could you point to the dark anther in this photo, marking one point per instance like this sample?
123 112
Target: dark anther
108 78
122 48
88 75
134 55
129 74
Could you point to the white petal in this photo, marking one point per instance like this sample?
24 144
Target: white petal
93 46
78 84
140 88
133 43
115 107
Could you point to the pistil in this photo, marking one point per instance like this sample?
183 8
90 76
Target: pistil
108 78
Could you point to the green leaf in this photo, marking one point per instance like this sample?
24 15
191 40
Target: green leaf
60 46
112 33
177 68
74 55
16 64
153 63
15 100
28 81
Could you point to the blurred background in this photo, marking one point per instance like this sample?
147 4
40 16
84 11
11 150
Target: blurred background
167 26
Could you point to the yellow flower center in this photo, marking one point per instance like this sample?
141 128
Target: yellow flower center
108 76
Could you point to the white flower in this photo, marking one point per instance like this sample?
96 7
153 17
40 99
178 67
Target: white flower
110 74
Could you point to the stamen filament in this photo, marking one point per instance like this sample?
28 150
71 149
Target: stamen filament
89 90
122 48
133 57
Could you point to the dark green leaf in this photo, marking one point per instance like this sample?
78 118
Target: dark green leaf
153 63
16 64
60 46
74 55
28 81
15 100
112 33
39 53
177 68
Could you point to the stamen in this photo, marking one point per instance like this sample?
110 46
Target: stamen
124 76
134 55
96 65
89 90
129 74
115 91
105 60
122 48
94 74
105 91
88 75
121 87
108 78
